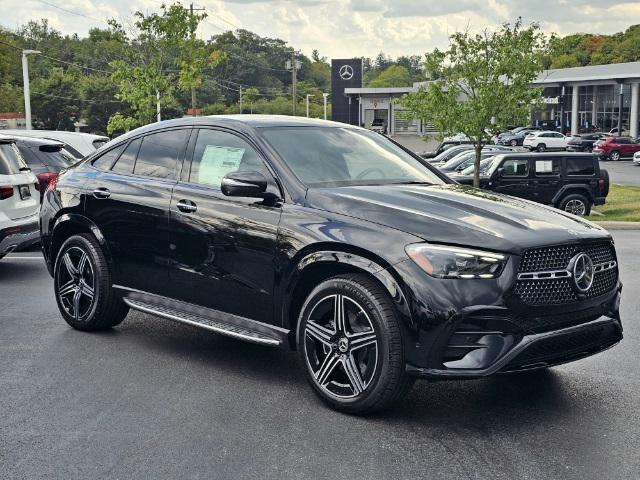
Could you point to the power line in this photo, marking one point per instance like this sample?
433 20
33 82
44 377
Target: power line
70 11
42 94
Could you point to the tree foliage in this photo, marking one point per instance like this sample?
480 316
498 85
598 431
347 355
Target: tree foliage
491 71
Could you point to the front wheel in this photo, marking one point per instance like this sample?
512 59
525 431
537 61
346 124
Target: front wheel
576 204
83 288
541 147
350 345
513 143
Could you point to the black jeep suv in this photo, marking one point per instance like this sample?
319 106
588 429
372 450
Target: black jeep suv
572 182
332 240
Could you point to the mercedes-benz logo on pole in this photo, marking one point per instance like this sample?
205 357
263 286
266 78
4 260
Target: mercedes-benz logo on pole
346 72
583 271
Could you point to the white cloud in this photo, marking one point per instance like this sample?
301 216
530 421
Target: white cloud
346 28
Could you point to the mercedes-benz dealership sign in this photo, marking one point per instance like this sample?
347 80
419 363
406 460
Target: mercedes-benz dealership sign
345 73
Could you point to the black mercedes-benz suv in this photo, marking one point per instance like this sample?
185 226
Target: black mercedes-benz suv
332 240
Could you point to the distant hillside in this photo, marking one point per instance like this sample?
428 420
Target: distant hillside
584 49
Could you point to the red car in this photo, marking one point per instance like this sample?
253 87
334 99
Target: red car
615 148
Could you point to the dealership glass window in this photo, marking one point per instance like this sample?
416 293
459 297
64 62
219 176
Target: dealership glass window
516 167
580 166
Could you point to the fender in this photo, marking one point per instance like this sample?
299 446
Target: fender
83 222
572 186
382 274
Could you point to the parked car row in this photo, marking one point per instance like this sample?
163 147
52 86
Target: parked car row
29 161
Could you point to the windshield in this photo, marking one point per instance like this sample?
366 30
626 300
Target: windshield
10 160
336 156
450 153
485 166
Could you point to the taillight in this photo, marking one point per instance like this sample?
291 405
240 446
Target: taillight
52 183
37 185
6 191
46 178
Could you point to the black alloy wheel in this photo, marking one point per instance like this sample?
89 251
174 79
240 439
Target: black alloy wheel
349 342
82 284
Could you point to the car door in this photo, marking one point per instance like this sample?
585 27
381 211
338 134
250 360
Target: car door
223 248
546 178
512 177
129 202
559 140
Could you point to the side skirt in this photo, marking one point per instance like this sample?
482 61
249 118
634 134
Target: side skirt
208 319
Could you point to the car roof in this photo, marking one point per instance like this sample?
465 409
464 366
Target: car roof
239 122
46 133
32 141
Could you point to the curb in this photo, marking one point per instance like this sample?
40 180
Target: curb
616 225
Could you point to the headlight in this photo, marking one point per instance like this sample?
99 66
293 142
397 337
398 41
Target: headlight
453 262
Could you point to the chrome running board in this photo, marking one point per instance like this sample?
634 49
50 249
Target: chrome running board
207 319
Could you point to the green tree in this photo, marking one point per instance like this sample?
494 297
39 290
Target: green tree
393 76
55 102
249 96
484 81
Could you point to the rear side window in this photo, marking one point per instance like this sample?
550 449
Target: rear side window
56 157
10 160
159 154
128 158
580 166
548 166
516 167
107 159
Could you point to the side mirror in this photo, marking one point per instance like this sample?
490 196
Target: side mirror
244 184
499 172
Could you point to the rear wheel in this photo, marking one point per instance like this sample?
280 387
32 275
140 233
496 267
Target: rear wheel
350 345
576 204
83 288
513 143
614 155
541 147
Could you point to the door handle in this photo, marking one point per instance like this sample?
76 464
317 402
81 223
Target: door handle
186 206
101 192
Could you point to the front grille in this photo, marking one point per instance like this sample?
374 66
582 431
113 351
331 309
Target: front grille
558 291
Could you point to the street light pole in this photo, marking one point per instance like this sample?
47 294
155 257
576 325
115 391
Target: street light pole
308 95
25 80
324 99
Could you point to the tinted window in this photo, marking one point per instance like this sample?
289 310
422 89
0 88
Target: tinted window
337 156
56 157
516 167
159 154
30 157
621 141
580 166
106 160
10 160
218 153
128 158
547 166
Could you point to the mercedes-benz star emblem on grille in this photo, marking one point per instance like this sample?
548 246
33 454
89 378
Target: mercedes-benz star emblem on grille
346 72
583 271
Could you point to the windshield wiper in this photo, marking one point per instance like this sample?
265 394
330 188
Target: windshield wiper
412 182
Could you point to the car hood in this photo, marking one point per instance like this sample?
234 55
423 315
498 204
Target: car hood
457 214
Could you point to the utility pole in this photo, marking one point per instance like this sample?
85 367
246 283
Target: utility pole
293 81
324 99
240 98
308 95
158 105
27 93
193 36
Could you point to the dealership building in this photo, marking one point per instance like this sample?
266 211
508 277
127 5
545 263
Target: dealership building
593 98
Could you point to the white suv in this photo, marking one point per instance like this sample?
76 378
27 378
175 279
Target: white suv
19 200
545 140
636 158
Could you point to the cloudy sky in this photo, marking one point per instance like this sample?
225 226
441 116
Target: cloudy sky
346 28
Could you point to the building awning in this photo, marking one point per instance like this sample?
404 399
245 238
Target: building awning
592 73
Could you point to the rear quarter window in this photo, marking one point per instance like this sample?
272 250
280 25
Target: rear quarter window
107 159
10 159
579 166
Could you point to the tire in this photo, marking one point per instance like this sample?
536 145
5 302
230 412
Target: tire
614 155
513 143
541 147
575 203
329 357
83 286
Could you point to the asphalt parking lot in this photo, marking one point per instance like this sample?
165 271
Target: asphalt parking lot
152 399
624 172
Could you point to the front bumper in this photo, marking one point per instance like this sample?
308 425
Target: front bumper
540 350
19 235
